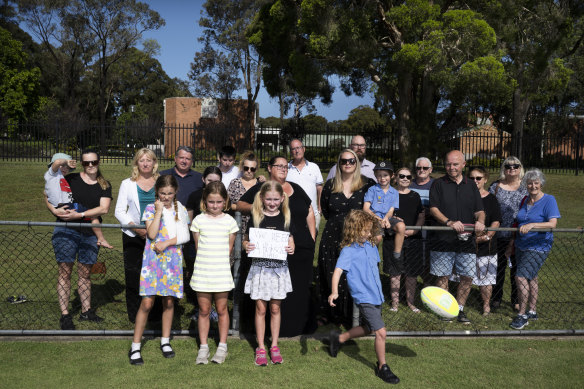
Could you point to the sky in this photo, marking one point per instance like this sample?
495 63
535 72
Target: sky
178 41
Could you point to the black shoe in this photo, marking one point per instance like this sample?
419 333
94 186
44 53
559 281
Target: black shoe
66 322
334 343
386 374
462 318
137 361
167 354
90 315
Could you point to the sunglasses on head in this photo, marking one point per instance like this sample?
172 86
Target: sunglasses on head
251 169
348 161
476 178
408 176
90 163
424 168
512 166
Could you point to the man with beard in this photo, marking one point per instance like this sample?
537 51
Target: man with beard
359 146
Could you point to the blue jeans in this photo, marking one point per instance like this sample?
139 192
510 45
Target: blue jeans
70 244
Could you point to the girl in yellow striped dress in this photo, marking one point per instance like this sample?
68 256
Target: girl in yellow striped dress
214 234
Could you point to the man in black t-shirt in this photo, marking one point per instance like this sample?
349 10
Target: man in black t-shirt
455 202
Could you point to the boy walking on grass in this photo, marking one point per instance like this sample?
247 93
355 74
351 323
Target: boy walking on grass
359 259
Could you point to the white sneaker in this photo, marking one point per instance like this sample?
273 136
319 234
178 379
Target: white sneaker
220 355
203 356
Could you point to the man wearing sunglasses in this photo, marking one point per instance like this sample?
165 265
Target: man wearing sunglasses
455 202
359 146
307 175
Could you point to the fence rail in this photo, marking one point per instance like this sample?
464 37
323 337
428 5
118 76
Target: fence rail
119 142
28 269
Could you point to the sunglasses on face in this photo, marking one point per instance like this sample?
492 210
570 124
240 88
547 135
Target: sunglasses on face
476 178
249 168
408 176
424 168
89 163
281 167
512 166
348 161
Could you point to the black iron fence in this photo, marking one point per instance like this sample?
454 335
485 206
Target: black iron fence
119 142
29 289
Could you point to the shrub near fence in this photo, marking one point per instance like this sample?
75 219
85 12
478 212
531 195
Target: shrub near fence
28 268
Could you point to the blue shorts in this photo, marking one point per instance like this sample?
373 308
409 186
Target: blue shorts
70 244
443 264
529 262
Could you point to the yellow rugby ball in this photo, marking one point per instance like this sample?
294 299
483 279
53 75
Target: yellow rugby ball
440 302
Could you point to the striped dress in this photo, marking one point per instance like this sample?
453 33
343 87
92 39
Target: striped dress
212 271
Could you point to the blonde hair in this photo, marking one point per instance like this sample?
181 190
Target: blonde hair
511 160
248 155
139 154
257 210
357 182
163 182
355 222
215 187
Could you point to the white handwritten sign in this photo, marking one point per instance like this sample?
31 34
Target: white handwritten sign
268 243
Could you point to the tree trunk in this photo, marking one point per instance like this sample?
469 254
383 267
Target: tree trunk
403 114
520 107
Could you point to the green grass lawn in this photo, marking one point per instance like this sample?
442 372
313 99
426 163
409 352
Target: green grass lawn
419 362
27 265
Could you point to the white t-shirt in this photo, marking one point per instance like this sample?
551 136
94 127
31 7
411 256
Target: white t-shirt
308 178
57 188
227 177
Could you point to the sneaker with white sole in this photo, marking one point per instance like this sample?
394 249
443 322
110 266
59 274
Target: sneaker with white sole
203 356
260 357
531 315
519 322
220 355
276 356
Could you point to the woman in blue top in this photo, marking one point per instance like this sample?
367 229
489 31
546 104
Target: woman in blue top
538 210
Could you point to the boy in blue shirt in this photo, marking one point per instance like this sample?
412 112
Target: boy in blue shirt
381 200
359 259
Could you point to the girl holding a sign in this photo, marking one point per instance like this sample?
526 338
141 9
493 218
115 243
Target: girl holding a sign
268 280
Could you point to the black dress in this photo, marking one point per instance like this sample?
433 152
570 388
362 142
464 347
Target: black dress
298 316
335 206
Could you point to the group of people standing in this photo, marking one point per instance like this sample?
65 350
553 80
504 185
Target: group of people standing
173 202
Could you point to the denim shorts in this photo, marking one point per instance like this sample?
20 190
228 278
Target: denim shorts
443 264
70 244
371 316
529 262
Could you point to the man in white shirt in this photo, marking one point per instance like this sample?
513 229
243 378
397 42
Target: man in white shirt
307 175
359 146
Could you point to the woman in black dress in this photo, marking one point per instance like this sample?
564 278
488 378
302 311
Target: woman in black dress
297 310
340 194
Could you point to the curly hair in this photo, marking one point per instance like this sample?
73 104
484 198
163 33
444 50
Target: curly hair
356 221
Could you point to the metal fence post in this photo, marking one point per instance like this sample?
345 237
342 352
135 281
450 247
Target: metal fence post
235 319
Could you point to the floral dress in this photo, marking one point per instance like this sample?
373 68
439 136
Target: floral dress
161 274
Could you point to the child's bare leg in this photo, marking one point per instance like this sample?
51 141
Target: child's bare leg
142 317
275 319
394 290
400 234
101 241
223 312
204 300
411 283
355 332
380 335
167 315
260 322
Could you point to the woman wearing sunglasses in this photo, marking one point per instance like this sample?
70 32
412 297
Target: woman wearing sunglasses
340 194
509 193
487 265
91 190
248 166
411 212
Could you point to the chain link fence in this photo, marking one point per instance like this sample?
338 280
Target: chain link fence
29 300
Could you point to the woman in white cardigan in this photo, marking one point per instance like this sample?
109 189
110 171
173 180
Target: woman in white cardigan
135 194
